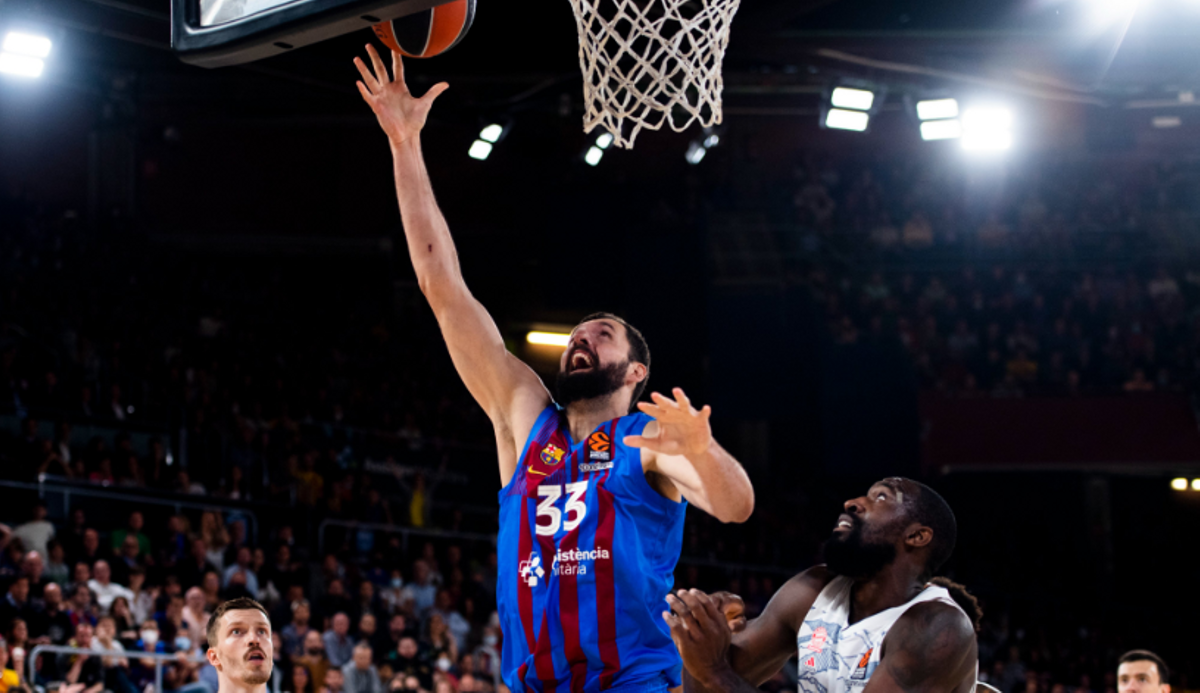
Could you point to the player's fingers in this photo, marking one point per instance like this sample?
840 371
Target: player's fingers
368 78
366 94
663 401
635 441
709 606
398 69
675 623
651 409
381 72
706 412
684 403
696 608
681 609
435 91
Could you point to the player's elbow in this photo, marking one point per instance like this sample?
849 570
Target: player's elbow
739 509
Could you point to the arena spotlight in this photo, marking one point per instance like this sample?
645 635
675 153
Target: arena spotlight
23 54
842 119
853 99
482 147
556 339
941 129
937 109
695 153
1196 484
596 152
987 129
1179 484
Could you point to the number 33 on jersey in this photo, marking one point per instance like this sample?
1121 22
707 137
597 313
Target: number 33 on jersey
586 555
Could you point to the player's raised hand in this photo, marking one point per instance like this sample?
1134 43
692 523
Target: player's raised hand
400 114
682 429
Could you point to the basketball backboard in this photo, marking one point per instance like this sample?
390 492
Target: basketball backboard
217 33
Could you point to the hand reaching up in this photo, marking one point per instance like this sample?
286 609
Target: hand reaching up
400 114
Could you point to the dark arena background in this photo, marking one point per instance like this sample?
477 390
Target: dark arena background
209 322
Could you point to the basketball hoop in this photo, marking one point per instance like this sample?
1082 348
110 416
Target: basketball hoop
650 62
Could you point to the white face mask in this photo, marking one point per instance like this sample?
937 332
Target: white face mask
150 637
443 664
490 640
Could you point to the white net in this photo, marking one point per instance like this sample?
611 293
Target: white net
650 62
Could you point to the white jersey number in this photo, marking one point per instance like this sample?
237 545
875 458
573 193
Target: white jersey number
576 507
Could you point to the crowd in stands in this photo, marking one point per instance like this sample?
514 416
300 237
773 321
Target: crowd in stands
1054 278
424 622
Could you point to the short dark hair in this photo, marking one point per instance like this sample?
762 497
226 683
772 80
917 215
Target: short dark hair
929 508
639 350
1164 674
239 604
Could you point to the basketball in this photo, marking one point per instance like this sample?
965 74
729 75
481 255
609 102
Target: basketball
428 33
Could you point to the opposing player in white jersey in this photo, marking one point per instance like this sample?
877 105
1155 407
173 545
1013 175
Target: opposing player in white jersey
869 620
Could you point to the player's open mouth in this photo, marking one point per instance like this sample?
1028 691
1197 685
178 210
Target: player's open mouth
844 522
256 657
579 360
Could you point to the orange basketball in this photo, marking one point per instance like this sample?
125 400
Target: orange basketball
429 32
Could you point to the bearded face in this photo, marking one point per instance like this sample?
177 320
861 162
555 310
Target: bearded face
589 383
854 554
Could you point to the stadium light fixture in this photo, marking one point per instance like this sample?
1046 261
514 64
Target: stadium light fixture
932 130
595 153
937 109
853 99
556 339
842 119
23 54
27 44
695 153
1179 484
482 147
480 150
1196 484
1166 121
987 129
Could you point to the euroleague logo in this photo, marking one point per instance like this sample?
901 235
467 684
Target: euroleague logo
599 452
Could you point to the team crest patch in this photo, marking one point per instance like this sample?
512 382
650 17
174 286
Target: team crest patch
817 650
552 454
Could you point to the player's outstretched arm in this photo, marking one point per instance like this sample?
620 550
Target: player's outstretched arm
931 649
682 449
717 659
508 390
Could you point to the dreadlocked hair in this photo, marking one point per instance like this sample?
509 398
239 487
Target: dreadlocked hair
965 600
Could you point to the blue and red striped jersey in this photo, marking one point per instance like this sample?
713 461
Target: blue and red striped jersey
587 552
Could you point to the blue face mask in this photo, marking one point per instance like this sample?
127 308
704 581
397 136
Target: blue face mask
397 583
182 643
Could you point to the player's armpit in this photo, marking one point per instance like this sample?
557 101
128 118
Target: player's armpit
931 649
765 645
507 389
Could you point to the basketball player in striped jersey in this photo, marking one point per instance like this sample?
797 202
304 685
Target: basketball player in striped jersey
872 619
593 497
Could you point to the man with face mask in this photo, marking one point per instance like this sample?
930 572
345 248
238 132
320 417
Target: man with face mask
872 617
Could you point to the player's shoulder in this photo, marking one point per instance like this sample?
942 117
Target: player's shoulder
931 636
791 603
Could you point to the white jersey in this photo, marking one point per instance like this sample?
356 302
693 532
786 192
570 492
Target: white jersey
837 657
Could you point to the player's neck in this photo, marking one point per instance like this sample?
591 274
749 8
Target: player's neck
583 416
893 586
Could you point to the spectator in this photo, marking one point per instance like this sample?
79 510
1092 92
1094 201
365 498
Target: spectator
54 626
132 529
104 589
443 647
36 534
56 567
33 568
423 589
196 615
451 618
17 604
334 681
360 675
313 656
396 596
10 678
242 573
1138 383
192 570
211 584
405 661
339 648
123 619
295 633
81 674
300 680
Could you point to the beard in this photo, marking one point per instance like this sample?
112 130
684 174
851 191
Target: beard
259 677
854 557
590 384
